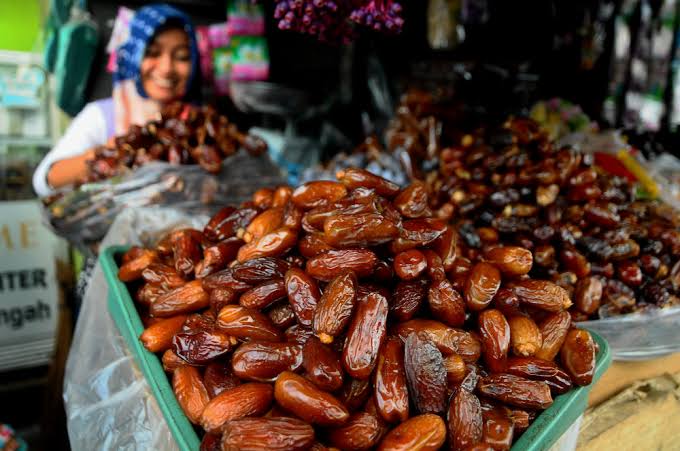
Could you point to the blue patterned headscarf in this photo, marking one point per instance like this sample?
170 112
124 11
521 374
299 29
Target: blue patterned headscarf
143 28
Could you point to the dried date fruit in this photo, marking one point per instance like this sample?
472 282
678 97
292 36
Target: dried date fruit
575 262
262 361
318 193
282 315
507 302
216 257
281 196
409 265
510 260
412 201
391 391
303 295
445 246
578 356
227 222
525 337
187 253
448 340
354 393
263 198
190 392
273 434
201 347
264 223
554 331
185 299
163 275
495 332
321 365
171 361
260 270
425 374
542 370
361 432
242 322
543 295
329 264
516 391
334 310
354 178
498 429
219 297
211 442
301 397
218 377
133 269
425 432
456 369
249 399
588 295
446 303
629 273
224 279
273 244
365 335
359 230
481 286
158 337
407 298
464 419
264 295
313 244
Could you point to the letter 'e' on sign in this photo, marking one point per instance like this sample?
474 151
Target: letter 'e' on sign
28 287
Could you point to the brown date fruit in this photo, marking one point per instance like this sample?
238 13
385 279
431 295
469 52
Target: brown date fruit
456 369
321 365
187 253
211 442
629 273
425 374
171 361
391 391
588 295
554 331
263 198
354 393
604 215
219 297
575 262
313 244
318 193
281 196
216 257
263 361
419 232
264 295
516 391
227 221
273 244
544 255
650 265
488 235
525 337
446 303
361 432
163 275
133 269
327 265
303 295
543 295
335 308
412 201
435 267
149 293
301 397
298 334
219 377
273 434
481 286
201 347
542 370
498 429
359 230
510 260
365 335
521 419
249 399
409 265
425 432
185 299
190 392
158 337
354 178
407 298
282 315
507 302
445 246
464 419
242 322
578 356
264 223
448 340
495 333
224 279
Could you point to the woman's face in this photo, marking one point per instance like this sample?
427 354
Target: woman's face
166 66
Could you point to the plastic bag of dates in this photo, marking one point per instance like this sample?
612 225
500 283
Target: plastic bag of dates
343 314
616 254
84 215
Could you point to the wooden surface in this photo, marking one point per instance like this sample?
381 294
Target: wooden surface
622 374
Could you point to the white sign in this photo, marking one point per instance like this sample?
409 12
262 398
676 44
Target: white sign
28 283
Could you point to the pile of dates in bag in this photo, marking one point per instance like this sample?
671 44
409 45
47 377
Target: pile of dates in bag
587 231
184 134
326 317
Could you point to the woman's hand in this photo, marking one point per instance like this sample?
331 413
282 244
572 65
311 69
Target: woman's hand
69 170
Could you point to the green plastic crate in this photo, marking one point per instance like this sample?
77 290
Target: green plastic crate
543 433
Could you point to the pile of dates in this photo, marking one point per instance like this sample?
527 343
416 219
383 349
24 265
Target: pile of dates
184 134
585 229
326 316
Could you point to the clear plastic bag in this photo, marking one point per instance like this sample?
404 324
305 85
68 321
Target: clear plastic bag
109 404
84 215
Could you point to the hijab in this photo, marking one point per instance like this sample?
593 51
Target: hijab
131 104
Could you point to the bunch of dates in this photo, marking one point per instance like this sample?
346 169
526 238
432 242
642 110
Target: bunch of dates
184 134
326 316
585 229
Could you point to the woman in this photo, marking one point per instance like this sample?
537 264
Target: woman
159 63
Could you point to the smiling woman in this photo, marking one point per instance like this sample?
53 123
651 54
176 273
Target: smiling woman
157 64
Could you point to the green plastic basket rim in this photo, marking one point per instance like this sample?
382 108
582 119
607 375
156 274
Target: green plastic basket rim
542 433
